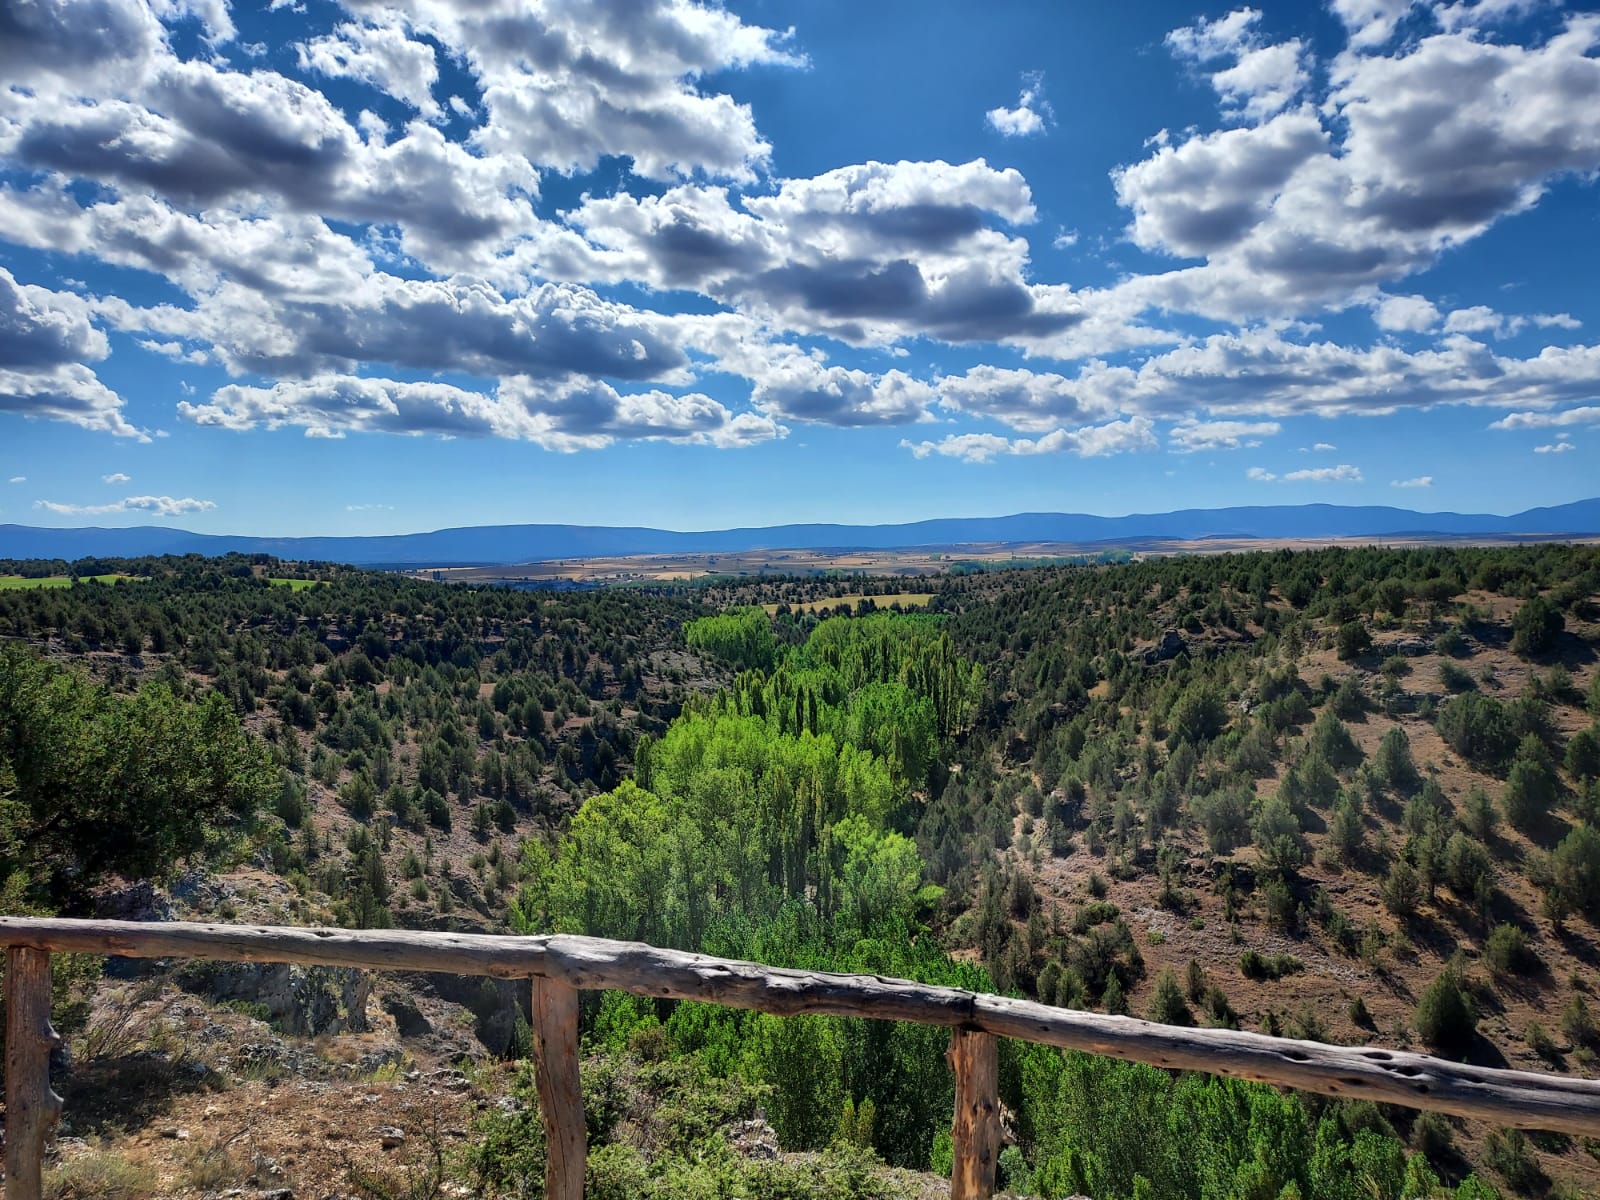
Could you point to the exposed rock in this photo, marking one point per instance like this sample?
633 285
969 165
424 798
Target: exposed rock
754 1139
141 901
301 1001
1169 647
390 1136
408 1019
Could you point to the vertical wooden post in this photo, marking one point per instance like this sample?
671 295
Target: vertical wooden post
32 1109
975 1135
555 1072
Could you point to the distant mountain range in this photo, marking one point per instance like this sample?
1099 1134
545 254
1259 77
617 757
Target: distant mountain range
487 545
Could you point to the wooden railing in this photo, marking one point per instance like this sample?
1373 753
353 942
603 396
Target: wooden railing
559 966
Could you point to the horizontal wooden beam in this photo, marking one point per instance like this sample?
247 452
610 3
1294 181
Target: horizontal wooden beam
1524 1099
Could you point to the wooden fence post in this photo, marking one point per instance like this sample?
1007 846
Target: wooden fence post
975 1135
32 1109
555 1072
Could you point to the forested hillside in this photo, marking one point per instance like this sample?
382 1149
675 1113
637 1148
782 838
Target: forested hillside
1347 795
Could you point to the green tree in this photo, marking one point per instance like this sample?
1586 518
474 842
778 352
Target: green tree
1352 640
1445 1018
1535 627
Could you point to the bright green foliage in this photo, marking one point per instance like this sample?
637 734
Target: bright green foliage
93 782
742 636
1101 1128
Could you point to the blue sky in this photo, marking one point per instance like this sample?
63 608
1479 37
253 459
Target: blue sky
382 267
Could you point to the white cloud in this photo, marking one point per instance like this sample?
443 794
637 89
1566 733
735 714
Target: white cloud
1093 441
1190 436
1587 415
868 253
1343 473
1421 481
116 477
1263 78
369 508
1031 115
581 415
161 506
803 390
18 479
1323 447
1555 448
1318 206
380 54
1410 314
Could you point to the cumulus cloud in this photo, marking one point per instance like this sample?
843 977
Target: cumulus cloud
1032 114
1480 318
1555 448
1261 78
1409 314
1586 415
568 84
806 391
1318 206
18 479
1093 441
1343 473
868 253
1420 481
1190 436
378 53
582 415
161 506
116 477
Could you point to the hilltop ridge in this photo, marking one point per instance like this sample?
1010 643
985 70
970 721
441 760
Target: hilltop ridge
502 544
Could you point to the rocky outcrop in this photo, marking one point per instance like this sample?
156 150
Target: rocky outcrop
301 1001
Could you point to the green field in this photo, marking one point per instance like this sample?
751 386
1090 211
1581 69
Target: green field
828 603
10 583
296 585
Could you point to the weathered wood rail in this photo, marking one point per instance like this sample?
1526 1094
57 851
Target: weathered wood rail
559 966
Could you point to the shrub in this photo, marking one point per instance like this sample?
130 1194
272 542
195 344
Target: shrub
1542 1044
1277 833
1402 890
1583 756
1394 763
1530 788
1507 951
1256 965
1535 627
1577 1024
1575 869
1507 1152
1454 678
1352 640
1167 1005
1478 728
1445 1019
